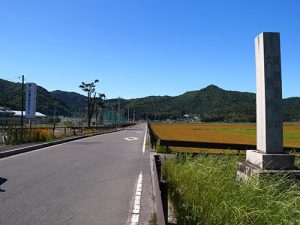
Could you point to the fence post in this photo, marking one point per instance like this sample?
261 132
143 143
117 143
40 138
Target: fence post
16 136
164 197
38 135
158 168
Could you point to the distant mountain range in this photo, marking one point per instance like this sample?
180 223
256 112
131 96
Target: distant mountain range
209 104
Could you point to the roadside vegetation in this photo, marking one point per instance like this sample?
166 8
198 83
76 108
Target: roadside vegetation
12 136
204 190
153 219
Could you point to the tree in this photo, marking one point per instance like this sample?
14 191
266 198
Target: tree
90 88
100 104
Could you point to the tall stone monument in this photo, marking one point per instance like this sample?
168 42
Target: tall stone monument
269 154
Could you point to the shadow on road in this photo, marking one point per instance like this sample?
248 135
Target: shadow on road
2 181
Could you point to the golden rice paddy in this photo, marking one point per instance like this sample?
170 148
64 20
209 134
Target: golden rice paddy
220 133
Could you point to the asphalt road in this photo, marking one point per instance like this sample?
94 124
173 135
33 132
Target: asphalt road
89 181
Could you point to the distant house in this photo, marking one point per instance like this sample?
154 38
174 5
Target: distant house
5 112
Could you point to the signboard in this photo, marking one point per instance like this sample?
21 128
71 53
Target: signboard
30 107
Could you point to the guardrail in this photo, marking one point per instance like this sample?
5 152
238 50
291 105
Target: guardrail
225 146
14 134
160 192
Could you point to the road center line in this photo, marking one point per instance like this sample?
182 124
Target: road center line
137 201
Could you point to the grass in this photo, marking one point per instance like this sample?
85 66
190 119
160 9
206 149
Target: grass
205 191
153 219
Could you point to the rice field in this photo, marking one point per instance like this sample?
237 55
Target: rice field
220 133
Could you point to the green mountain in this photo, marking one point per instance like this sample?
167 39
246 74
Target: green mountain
10 96
209 104
76 102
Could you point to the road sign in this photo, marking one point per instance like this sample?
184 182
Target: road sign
30 107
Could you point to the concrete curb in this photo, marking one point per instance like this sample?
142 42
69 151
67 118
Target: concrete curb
43 145
158 206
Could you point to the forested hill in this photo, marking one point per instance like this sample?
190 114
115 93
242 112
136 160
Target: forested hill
10 96
76 102
209 104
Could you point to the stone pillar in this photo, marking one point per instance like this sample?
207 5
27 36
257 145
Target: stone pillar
269 154
268 93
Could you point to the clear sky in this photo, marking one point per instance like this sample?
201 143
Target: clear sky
139 48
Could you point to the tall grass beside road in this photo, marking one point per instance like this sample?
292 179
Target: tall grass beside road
205 191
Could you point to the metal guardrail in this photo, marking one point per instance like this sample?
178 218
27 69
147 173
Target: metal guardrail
14 134
225 146
194 144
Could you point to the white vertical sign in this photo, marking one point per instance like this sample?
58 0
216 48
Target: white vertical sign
30 107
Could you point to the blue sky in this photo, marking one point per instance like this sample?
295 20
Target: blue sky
139 48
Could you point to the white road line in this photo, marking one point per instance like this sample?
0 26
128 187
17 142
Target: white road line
137 201
36 150
144 145
41 149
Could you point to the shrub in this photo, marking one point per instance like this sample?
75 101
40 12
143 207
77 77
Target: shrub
39 135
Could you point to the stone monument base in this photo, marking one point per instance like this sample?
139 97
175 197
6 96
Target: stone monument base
270 161
246 170
260 164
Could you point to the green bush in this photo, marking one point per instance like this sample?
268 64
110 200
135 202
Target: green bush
205 191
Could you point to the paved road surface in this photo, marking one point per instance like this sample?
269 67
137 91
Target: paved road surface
89 181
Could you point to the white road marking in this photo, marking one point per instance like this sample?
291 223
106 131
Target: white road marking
36 150
42 149
131 138
137 201
144 144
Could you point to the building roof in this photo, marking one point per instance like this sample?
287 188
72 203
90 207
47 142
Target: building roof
37 114
17 113
6 111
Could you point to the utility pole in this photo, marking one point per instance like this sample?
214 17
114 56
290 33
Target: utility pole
96 112
133 117
54 115
119 112
5 121
22 109
53 134
128 115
